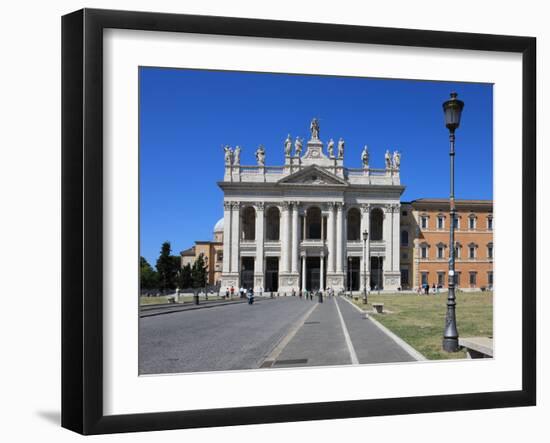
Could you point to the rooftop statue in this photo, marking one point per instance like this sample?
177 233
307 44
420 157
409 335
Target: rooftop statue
341 148
298 147
396 159
331 148
260 155
237 156
228 155
387 158
365 157
314 128
288 146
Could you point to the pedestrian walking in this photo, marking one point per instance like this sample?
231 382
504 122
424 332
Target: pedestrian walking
232 291
250 296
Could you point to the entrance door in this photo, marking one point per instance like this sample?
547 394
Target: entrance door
376 273
353 274
272 274
313 273
247 272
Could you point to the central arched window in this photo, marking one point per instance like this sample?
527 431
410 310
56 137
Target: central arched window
248 217
376 223
272 223
313 223
354 224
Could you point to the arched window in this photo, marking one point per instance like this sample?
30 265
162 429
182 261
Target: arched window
272 223
376 222
313 223
248 218
354 224
404 238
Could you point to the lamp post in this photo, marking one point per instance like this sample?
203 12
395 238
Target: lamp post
350 283
452 109
365 237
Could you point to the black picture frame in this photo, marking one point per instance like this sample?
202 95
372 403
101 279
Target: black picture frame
82 215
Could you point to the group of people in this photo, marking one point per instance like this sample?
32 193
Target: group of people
426 289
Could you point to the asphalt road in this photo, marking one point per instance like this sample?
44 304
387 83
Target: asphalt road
283 332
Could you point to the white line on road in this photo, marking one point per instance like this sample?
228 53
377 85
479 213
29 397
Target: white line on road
351 349
273 355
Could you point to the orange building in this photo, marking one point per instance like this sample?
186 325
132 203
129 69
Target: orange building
212 252
428 254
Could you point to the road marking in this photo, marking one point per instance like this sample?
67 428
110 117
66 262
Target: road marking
351 349
270 359
402 343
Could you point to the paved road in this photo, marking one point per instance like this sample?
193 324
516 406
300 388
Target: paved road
230 337
284 332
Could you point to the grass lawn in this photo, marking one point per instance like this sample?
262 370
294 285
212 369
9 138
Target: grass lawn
420 319
184 298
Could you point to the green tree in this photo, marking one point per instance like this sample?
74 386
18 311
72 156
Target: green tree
184 277
167 268
147 275
199 273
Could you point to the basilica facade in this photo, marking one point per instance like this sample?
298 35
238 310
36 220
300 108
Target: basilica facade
312 223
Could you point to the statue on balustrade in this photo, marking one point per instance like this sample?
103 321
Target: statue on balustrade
331 148
341 148
396 159
314 128
237 156
260 156
298 147
387 157
228 155
365 157
288 146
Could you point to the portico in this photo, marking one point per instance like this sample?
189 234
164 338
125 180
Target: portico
298 226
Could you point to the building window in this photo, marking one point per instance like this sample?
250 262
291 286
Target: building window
219 256
490 250
458 250
440 222
457 222
405 256
440 278
472 222
424 277
424 251
490 278
440 251
472 251
473 278
404 238
404 213
457 278
490 222
354 224
424 222
376 224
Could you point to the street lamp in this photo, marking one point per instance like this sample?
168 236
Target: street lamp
365 237
452 109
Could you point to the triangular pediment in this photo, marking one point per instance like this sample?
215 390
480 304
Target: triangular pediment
312 175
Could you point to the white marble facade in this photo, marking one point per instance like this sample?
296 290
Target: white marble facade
300 225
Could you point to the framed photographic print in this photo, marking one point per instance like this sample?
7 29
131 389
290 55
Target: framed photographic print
269 221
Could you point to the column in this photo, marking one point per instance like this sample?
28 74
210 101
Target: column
396 238
322 273
365 262
330 239
259 263
226 237
235 236
285 239
304 271
295 238
339 237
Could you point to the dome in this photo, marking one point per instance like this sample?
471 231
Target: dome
218 227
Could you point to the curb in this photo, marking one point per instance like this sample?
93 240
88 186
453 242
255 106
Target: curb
402 343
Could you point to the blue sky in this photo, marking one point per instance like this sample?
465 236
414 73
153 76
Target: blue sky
186 116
